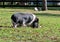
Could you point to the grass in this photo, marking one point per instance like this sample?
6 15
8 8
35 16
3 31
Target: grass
49 32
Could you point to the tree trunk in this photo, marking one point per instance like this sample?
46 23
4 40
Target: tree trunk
44 4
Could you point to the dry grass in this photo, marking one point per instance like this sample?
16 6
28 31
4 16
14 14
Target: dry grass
29 11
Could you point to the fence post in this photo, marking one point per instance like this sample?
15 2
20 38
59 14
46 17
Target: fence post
3 5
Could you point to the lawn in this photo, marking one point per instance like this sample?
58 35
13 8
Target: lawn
48 32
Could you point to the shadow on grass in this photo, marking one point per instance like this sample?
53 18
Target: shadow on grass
47 14
5 26
54 8
30 8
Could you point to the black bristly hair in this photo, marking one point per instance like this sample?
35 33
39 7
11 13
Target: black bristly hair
35 23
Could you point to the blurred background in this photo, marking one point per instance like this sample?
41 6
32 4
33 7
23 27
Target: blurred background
39 4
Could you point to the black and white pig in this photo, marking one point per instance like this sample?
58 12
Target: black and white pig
24 19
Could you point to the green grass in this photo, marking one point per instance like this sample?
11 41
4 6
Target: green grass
49 31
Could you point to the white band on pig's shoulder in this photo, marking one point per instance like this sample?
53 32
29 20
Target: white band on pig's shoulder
34 17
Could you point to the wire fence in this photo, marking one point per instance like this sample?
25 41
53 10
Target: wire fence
27 3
